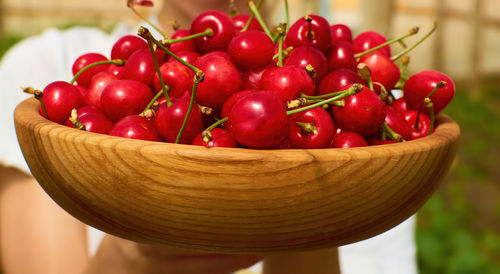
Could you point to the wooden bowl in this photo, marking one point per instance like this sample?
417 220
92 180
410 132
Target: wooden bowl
233 200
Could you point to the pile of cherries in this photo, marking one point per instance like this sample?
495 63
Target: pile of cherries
231 82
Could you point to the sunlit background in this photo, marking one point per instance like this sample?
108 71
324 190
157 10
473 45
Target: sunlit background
459 227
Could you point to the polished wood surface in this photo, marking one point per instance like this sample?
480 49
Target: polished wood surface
233 200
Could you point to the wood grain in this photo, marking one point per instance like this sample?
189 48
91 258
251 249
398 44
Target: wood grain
233 200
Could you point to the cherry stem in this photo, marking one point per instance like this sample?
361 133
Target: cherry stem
216 124
404 52
281 37
198 78
252 16
38 94
287 13
158 94
311 71
355 88
158 72
208 32
307 127
439 85
391 134
430 106
285 52
160 31
365 73
118 62
309 33
383 92
77 123
302 95
403 65
411 32
146 34
256 13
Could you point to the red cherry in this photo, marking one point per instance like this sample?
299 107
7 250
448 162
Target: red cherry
347 140
168 121
122 98
220 138
400 105
320 34
250 79
251 49
97 85
419 86
229 103
222 27
396 121
127 45
369 39
286 144
177 76
363 113
93 120
338 80
341 32
322 129
222 79
60 98
118 71
341 55
140 66
303 56
259 120
241 20
188 56
187 45
376 142
85 60
383 71
287 82
81 89
422 128
135 127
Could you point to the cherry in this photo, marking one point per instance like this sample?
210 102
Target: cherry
222 27
177 76
229 103
259 120
287 82
100 80
420 129
309 129
312 30
305 55
341 55
121 98
347 140
220 138
250 79
369 39
397 122
118 71
400 105
169 119
135 127
286 144
140 66
420 85
373 141
338 80
60 98
219 53
187 45
126 45
341 32
81 89
85 60
188 56
93 120
251 49
363 113
241 20
222 79
383 71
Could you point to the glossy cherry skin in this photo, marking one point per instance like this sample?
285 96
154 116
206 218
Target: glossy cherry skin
175 75
369 39
419 86
287 82
340 55
396 121
285 144
81 89
229 103
93 120
341 32
187 45
241 20
140 66
85 60
222 79
60 99
220 138
347 140
424 123
135 127
118 71
303 56
222 27
100 80
250 79
338 80
259 120
168 121
322 122
126 45
251 49
122 98
400 105
383 71
186 55
297 35
363 113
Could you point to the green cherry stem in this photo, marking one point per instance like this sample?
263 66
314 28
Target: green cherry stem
302 95
198 78
77 123
281 37
252 16
256 13
216 124
438 86
158 94
38 94
430 106
208 32
404 52
411 32
158 72
365 73
118 62
391 134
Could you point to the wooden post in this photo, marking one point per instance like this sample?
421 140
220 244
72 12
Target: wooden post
437 51
377 15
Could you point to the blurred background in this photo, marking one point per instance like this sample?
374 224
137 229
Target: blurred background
459 227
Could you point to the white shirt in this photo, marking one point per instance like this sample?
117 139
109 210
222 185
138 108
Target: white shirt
48 57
